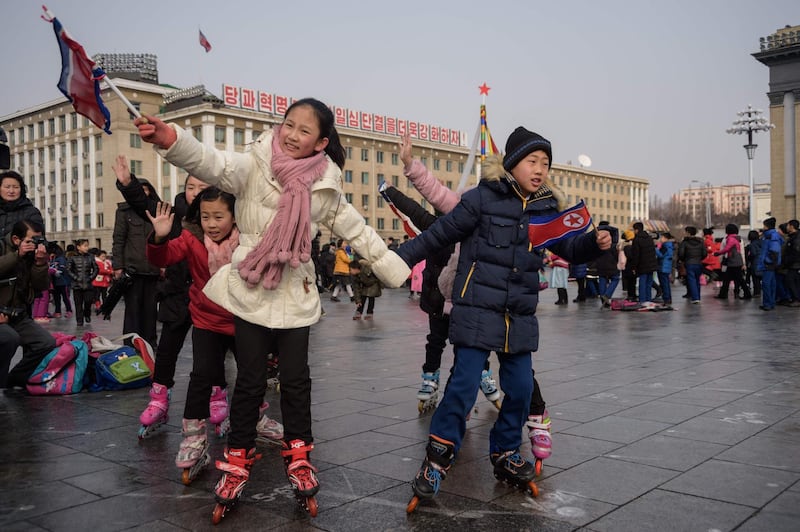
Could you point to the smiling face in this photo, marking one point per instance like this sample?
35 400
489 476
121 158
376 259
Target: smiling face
216 219
531 171
299 135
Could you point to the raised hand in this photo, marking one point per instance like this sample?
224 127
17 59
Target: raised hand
122 170
156 131
162 221
405 149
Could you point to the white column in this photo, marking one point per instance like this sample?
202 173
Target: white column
789 145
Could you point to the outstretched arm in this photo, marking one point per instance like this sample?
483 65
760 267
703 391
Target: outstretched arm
442 198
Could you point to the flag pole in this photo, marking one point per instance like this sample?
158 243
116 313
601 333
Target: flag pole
133 110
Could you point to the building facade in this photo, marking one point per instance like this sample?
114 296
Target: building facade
67 162
781 53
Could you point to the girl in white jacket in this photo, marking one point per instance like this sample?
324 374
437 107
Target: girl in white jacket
285 185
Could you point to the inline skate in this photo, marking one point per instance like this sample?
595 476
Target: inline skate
193 454
301 473
428 393
155 414
541 441
218 411
439 457
511 467
489 388
269 430
235 473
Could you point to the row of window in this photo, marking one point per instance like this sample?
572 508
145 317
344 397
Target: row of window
609 187
45 129
87 223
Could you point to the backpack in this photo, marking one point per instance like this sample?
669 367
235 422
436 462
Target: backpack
62 370
123 363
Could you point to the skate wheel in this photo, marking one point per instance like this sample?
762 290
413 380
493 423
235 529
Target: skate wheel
421 407
534 488
311 506
496 403
142 432
218 514
412 504
538 466
186 477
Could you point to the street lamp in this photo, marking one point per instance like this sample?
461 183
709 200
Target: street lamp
750 121
708 200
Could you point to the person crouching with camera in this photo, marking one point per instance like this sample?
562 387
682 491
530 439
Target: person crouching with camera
23 273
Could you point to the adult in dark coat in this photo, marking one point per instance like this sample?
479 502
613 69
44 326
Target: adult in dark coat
14 202
643 261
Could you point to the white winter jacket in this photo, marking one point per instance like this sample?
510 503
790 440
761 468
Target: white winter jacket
248 176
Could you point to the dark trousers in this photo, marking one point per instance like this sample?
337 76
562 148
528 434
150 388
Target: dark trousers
751 279
59 294
537 401
370 303
792 282
83 297
36 343
141 308
253 344
169 345
438 327
581 289
208 367
733 274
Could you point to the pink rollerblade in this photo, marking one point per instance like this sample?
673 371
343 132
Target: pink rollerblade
155 414
218 411
193 454
301 474
235 473
269 430
541 442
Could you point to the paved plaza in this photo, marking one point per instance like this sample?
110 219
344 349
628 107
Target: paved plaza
684 420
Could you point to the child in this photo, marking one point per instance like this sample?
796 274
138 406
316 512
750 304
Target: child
285 185
59 277
559 276
495 294
366 288
341 271
82 269
105 272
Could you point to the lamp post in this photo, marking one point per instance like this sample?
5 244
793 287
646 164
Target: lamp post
750 121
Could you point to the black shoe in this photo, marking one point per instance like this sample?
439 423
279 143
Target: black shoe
335 299
88 318
762 307
15 391
720 297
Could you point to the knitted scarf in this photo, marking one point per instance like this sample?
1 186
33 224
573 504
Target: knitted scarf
288 237
220 253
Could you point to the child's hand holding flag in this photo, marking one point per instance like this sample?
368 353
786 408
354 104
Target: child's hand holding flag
156 132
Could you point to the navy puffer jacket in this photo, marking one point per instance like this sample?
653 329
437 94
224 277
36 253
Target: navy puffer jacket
496 288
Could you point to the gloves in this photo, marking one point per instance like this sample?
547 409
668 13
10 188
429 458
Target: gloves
156 132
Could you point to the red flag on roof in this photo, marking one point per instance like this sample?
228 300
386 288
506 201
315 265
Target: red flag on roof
545 231
204 42
80 77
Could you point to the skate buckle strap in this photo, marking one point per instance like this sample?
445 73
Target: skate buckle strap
241 457
199 430
297 450
234 469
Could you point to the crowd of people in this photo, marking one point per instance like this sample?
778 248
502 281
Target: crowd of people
236 258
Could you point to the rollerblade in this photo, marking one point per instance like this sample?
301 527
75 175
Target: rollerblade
356 316
511 467
439 456
301 474
155 414
541 442
269 430
428 393
193 455
218 411
489 388
235 473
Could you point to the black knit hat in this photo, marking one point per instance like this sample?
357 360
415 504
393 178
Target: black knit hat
522 142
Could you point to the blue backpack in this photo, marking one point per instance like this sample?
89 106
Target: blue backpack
120 369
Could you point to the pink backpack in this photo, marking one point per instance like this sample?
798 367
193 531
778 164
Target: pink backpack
62 371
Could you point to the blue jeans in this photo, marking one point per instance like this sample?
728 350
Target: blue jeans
768 286
693 272
666 288
608 285
645 287
516 380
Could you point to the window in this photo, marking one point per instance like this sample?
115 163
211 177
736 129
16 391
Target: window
364 154
365 201
30 132
349 197
98 142
136 140
380 224
51 127
380 202
11 136
395 224
62 123
166 192
395 158
365 178
99 219
21 135
85 145
41 129
395 181
448 166
460 167
585 185
85 173
73 124
219 134
436 164
136 167
87 221
52 177
165 168
99 199
74 174
87 196
381 178
569 182
238 137
348 176
449 184
424 160
63 175
366 220
379 157
601 203
197 131
75 222
348 152
63 198
98 169
51 153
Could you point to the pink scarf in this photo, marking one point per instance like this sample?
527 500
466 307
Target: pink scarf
220 253
288 237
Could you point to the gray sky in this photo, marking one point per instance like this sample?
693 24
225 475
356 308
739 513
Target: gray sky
644 88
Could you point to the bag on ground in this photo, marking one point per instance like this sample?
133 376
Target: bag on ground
62 371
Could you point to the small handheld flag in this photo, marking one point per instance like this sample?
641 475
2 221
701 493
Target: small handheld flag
204 42
545 231
408 226
80 77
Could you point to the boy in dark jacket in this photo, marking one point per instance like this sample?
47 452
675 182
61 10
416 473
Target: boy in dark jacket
643 261
691 253
366 288
83 269
494 302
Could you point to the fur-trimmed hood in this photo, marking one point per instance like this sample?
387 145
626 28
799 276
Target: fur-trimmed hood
492 170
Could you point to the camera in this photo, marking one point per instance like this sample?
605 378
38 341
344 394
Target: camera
38 239
11 312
